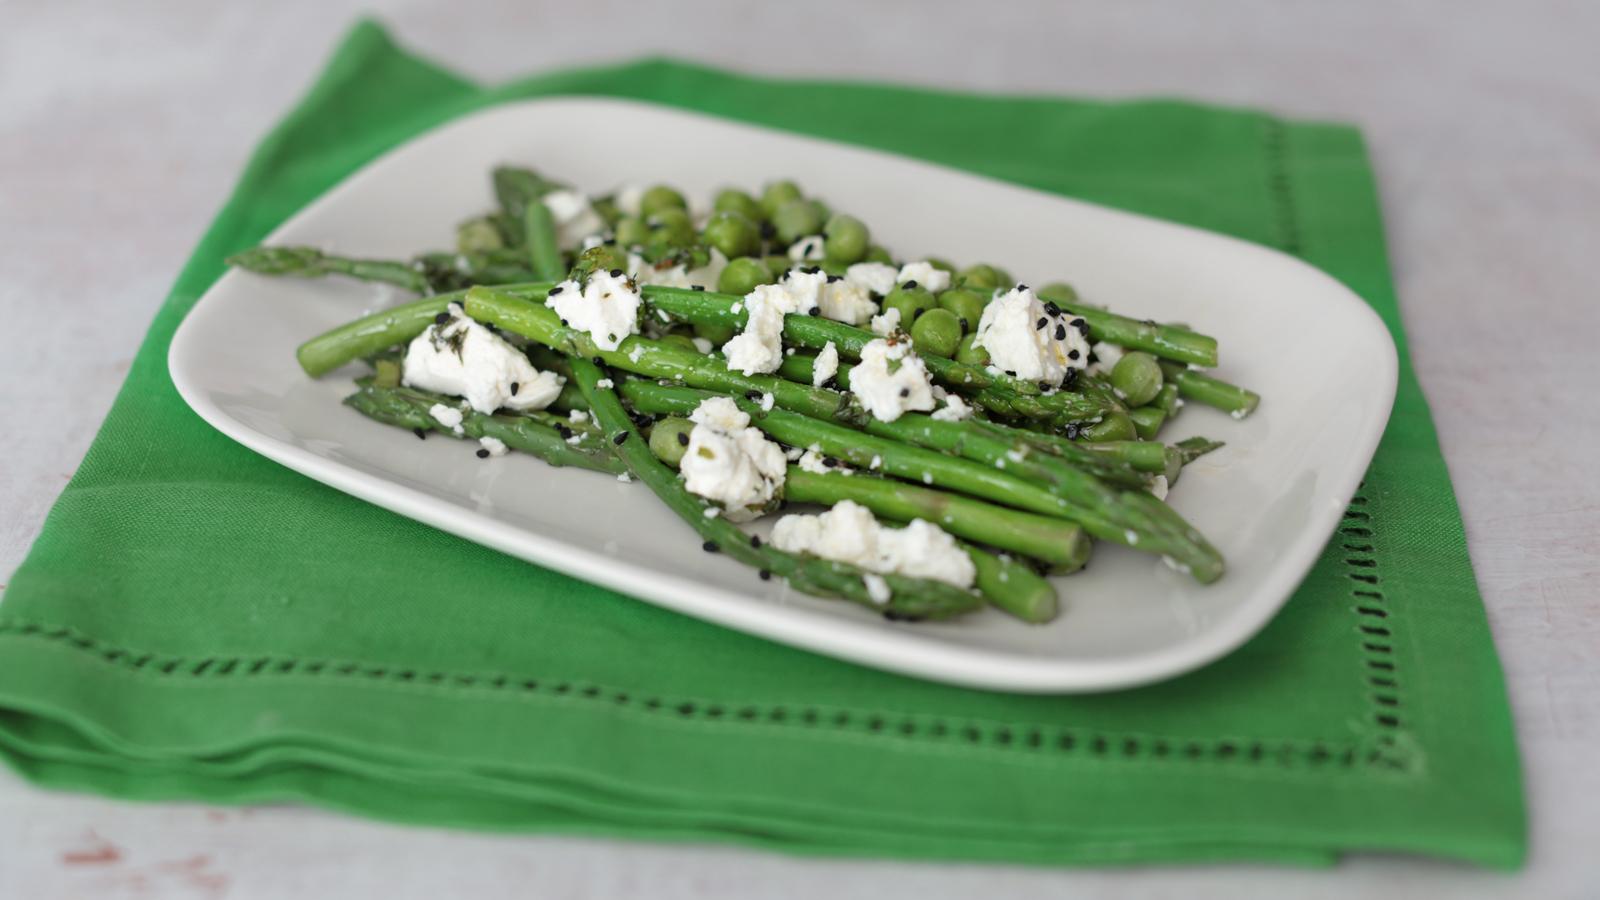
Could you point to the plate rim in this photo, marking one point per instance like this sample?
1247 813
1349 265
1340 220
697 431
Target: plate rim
901 651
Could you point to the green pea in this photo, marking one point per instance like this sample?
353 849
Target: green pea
911 301
669 438
936 331
632 232
1114 426
777 264
796 219
479 235
1059 292
970 355
671 228
659 199
741 276
1137 377
879 254
733 234
716 334
984 277
1147 421
737 201
776 194
967 306
681 341
845 239
833 268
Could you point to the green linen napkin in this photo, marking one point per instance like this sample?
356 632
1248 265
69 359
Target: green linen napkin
197 622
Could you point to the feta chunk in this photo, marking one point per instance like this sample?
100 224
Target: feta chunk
574 216
849 533
925 275
1026 340
448 416
465 359
843 300
1105 358
807 249
879 278
606 307
680 275
891 380
759 347
826 365
886 323
494 445
1158 487
730 463
954 409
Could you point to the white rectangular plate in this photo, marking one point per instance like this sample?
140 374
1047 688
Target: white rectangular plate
1269 500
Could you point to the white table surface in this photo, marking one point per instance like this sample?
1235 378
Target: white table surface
123 126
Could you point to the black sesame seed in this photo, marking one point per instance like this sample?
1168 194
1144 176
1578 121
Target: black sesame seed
697 287
683 438
1011 373
564 323
421 434
1052 308
515 386
616 273
765 575
1022 287
621 436
483 454
833 278
1082 326
830 462
441 318
557 289
910 286
563 430
755 541
1061 332
710 547
964 325
1044 386
1073 354
598 361
753 396
1039 325
612 336
1071 379
905 392
812 311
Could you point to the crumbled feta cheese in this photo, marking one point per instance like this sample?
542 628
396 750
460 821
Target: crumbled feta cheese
886 323
574 216
625 478
629 197
1158 487
1027 341
954 409
877 462
606 307
877 589
448 416
635 353
680 275
891 380
845 301
826 365
465 359
925 274
1105 357
811 461
805 289
793 453
879 278
766 402
704 345
729 462
605 384
575 440
711 512
849 533
759 347
807 249
577 415
495 446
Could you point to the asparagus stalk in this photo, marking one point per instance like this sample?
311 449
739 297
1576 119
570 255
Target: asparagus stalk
1060 543
1113 516
910 598
309 262
1213 392
1014 587
408 408
544 255
1166 341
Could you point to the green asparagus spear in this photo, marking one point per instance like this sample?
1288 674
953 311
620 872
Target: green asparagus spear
1213 392
309 262
544 255
910 598
407 408
1013 587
